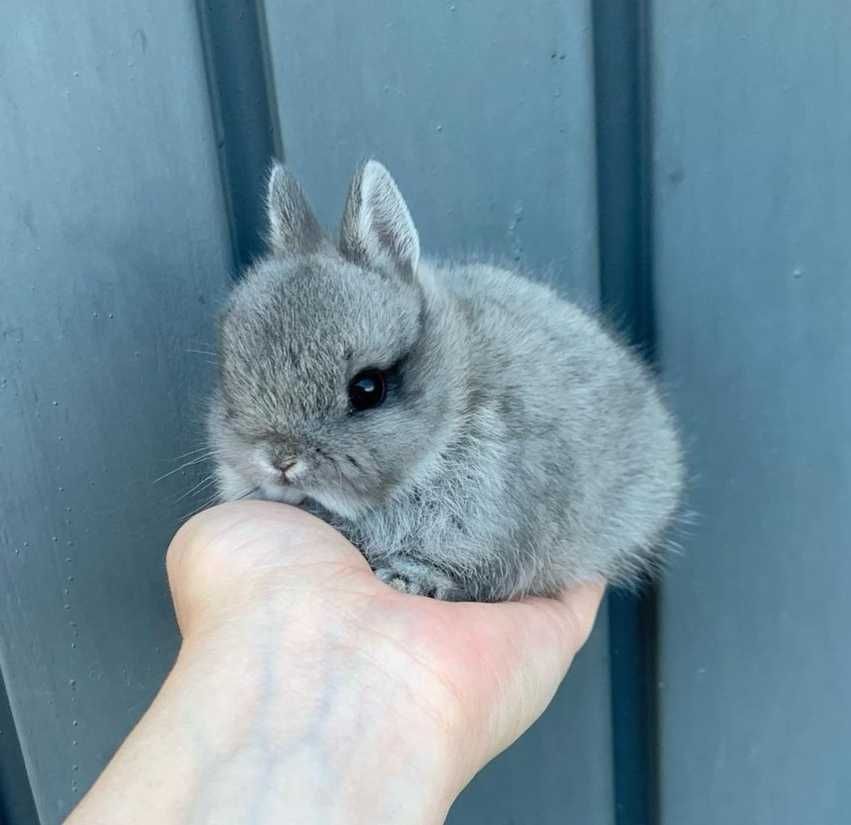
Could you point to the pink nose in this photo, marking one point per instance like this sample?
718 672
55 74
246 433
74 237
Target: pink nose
286 467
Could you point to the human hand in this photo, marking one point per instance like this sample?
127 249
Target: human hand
308 691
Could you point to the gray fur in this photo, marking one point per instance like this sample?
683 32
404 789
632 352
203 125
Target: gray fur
293 230
521 447
377 229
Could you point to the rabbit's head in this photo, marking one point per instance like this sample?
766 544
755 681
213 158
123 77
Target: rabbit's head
336 380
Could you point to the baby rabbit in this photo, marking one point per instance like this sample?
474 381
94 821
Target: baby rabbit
473 434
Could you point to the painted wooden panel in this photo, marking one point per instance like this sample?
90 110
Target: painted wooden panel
484 114
753 288
115 248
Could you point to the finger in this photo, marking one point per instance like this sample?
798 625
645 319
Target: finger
563 622
579 606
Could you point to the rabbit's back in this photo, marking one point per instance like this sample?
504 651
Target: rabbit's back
566 464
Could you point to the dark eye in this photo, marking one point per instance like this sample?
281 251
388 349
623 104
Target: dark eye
367 389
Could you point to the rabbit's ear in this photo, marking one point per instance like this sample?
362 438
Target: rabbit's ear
377 230
293 229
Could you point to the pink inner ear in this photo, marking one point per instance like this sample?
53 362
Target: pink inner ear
377 230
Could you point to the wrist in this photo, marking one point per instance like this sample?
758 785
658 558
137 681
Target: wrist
330 729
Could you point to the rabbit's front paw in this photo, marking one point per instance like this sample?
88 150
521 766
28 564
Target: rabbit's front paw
420 579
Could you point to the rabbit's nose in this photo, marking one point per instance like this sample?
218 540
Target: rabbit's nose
289 468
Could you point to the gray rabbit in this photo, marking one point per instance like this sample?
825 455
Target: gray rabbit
473 434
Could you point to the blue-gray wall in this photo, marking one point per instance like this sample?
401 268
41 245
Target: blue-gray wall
686 163
752 181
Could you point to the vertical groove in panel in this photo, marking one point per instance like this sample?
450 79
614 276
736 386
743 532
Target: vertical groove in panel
621 29
17 806
244 113
265 55
621 36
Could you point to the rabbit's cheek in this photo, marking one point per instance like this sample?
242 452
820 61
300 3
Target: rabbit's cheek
231 483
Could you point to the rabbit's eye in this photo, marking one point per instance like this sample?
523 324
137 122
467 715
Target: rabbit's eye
367 389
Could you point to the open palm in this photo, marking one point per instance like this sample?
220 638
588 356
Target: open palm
480 673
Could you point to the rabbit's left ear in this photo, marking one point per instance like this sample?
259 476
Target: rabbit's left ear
377 230
293 229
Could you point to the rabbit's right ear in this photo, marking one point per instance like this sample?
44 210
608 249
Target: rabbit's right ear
293 229
377 230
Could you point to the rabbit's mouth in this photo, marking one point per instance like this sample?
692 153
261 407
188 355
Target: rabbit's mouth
274 486
279 480
279 492
295 478
331 500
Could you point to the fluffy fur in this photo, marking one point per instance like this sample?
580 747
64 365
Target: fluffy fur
520 448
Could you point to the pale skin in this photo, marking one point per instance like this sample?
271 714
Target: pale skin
307 691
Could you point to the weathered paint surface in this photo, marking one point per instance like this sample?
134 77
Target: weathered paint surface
753 286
